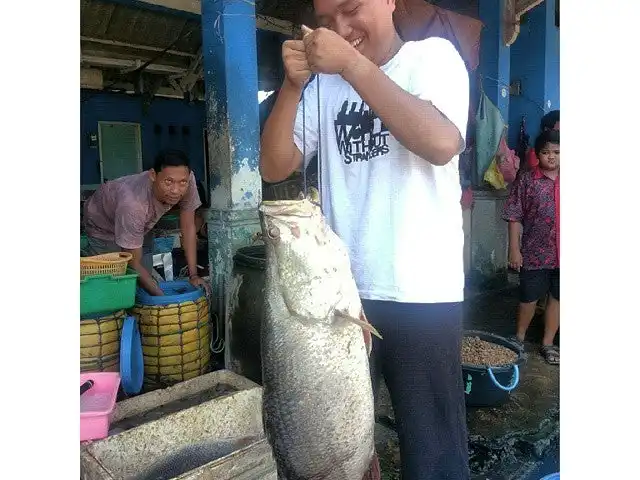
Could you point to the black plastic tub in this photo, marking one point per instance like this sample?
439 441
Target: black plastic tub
491 386
245 314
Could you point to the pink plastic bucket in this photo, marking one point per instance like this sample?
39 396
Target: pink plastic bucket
97 404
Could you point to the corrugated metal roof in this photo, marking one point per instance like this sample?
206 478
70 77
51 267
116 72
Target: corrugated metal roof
119 23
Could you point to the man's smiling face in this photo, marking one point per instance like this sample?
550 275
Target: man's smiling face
366 24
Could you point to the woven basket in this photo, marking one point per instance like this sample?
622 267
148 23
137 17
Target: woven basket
106 264
175 341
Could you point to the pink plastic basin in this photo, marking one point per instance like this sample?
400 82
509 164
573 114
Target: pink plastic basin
97 404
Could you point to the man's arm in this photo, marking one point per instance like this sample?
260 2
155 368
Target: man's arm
145 278
129 235
188 206
189 240
415 122
279 156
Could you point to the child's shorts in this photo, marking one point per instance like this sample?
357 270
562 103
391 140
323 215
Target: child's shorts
535 284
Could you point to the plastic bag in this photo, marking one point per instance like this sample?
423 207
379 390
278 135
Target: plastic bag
508 162
494 177
490 128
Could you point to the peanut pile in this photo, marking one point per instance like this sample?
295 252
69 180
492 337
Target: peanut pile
482 353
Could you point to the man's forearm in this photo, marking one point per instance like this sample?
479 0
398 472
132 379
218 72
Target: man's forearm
144 276
190 246
415 123
146 280
277 150
514 235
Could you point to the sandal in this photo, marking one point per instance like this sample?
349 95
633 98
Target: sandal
551 354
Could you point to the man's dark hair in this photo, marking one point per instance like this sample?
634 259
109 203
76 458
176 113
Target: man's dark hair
549 120
170 158
548 136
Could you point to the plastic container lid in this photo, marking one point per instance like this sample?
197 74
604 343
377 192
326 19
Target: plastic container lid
178 291
131 360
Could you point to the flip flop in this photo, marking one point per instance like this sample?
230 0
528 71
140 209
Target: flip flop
551 354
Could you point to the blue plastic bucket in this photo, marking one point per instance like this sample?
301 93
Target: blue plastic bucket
131 357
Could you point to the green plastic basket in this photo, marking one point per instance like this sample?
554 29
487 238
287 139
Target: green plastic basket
106 293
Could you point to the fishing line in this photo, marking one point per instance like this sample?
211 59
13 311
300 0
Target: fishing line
305 189
304 144
319 171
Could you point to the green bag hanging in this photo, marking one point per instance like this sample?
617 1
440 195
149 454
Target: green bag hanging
489 129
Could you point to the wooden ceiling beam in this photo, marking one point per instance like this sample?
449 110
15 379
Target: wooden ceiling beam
194 7
512 11
124 64
134 46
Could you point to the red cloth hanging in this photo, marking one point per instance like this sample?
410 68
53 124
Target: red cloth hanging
417 20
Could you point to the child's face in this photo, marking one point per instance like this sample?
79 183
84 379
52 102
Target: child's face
549 156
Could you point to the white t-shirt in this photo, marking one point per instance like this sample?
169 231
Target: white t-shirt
399 215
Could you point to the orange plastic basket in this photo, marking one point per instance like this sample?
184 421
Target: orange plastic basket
106 264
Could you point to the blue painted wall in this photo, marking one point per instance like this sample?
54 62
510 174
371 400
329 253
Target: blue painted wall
495 61
118 107
552 59
535 61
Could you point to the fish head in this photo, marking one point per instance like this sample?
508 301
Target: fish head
292 229
308 258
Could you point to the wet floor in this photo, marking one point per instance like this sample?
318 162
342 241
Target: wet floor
517 441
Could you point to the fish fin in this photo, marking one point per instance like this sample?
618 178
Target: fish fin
368 339
374 472
361 322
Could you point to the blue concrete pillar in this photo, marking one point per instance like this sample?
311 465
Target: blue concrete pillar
495 58
535 62
231 85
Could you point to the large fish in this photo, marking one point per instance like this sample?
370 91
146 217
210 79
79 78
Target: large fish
318 403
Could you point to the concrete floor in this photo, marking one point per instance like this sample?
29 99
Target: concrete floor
517 441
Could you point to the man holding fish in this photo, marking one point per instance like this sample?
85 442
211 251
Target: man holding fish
389 119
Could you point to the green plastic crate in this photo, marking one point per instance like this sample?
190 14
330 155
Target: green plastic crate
107 293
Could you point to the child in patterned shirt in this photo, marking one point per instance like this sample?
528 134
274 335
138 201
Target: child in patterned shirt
533 213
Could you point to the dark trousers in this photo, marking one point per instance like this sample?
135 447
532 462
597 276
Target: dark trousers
420 360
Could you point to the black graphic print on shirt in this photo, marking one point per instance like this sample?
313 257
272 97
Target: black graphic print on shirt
360 133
